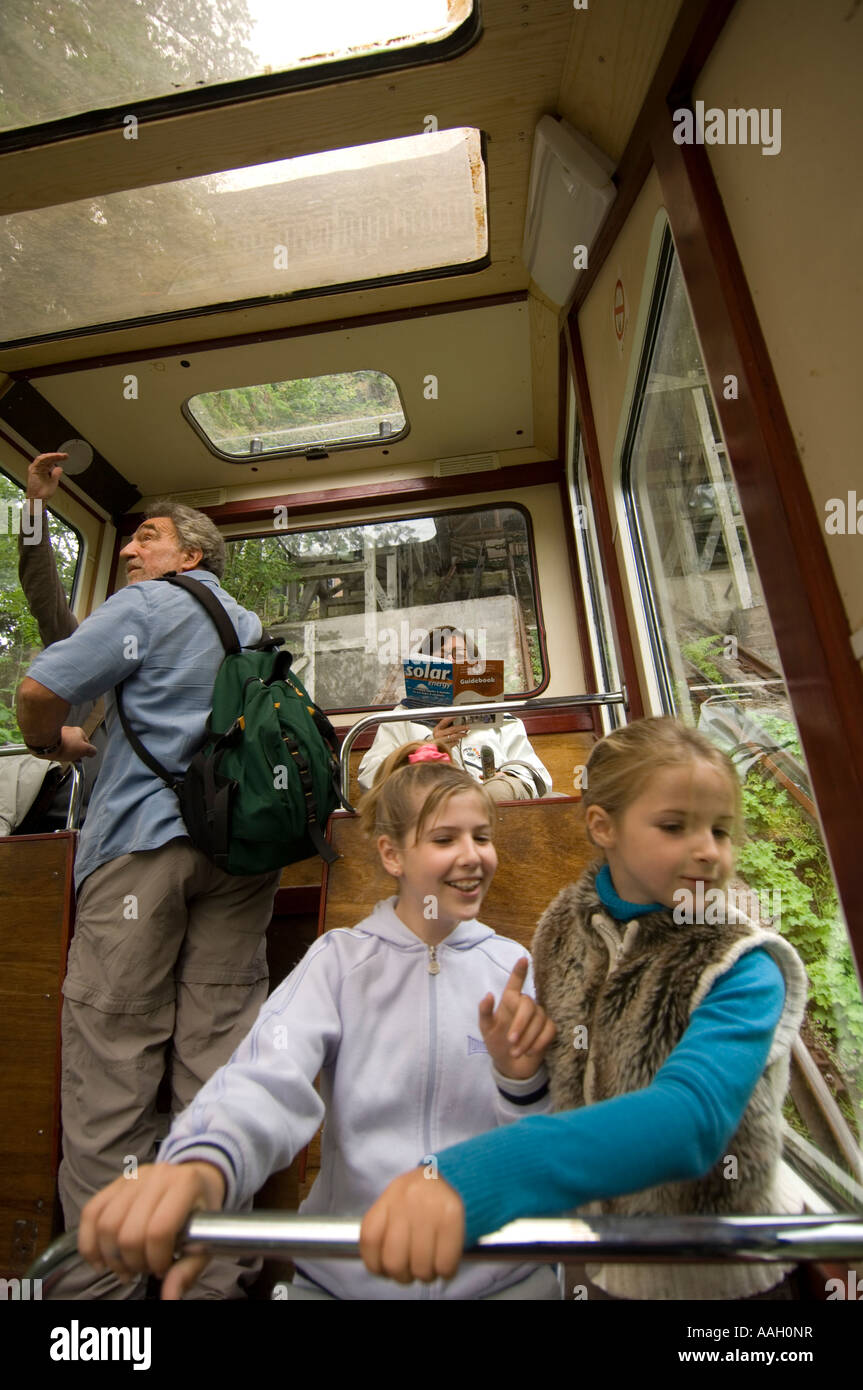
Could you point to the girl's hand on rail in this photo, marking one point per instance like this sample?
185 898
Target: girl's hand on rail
415 1230
132 1226
518 1033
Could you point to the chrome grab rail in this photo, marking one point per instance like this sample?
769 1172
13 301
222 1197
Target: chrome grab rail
436 712
601 1239
76 794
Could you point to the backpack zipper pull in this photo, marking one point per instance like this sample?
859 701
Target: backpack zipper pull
434 963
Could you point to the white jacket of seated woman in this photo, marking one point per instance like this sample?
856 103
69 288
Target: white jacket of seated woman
509 744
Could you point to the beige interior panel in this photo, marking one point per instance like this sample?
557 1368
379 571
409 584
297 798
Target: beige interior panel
611 368
481 360
797 221
545 350
613 52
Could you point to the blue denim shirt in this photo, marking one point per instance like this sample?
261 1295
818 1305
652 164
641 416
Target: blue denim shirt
162 643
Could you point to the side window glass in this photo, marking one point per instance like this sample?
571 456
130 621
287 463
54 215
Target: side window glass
19 631
352 602
717 667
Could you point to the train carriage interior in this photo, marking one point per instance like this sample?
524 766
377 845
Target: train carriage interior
535 319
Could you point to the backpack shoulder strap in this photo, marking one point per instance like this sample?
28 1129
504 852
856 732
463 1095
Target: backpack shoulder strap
146 757
230 641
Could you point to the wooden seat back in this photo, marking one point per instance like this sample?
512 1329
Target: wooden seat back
35 912
541 845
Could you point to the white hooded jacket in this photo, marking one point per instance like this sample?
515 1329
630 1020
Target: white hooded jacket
403 1069
508 743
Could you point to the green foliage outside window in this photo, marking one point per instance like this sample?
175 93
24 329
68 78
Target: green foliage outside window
701 652
19 632
784 853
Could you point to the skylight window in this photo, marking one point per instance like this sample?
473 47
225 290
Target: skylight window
399 209
122 53
342 411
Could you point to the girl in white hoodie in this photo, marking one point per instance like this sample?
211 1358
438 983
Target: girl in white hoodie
398 1017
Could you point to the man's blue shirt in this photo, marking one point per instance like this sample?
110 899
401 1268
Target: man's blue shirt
163 640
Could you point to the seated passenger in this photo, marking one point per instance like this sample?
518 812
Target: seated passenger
675 1025
514 773
387 1014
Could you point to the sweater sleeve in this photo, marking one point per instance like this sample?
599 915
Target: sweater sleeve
45 595
255 1113
546 1165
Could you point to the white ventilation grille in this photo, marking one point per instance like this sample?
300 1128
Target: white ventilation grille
466 463
213 498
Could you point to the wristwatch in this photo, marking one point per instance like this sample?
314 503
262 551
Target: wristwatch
48 750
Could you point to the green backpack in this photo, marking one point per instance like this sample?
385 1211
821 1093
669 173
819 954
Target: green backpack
258 794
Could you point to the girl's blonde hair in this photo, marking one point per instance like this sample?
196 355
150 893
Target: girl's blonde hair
621 765
406 794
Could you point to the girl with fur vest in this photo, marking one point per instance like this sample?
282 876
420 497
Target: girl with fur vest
386 1013
675 1018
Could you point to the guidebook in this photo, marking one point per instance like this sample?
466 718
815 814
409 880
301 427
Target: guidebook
430 682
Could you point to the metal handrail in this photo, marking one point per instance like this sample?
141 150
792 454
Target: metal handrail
76 796
541 1240
436 712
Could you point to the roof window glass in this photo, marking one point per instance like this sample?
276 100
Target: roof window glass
292 417
61 60
395 210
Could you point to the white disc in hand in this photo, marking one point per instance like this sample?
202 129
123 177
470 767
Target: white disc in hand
80 456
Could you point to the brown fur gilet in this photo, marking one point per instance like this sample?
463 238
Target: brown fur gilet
633 987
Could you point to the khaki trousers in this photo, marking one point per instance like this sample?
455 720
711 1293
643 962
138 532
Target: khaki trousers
167 972
506 788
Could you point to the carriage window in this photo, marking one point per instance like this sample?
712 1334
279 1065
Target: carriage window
292 417
395 210
63 60
19 632
717 666
352 602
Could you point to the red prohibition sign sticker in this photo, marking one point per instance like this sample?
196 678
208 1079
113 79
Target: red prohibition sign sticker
619 311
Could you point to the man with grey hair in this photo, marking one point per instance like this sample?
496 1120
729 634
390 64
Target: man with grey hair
167 968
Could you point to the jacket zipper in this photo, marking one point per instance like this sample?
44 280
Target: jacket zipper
433 969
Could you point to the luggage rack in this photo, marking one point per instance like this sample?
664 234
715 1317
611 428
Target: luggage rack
606 1239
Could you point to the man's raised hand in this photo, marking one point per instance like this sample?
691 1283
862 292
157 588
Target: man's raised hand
519 1031
43 476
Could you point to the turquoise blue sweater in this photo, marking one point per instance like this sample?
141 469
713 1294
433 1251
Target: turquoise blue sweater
675 1129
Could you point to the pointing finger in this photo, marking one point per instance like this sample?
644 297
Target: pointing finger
518 976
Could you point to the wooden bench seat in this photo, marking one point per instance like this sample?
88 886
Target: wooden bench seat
561 752
35 916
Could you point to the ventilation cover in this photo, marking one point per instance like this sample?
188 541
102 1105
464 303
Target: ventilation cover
466 463
213 498
569 196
